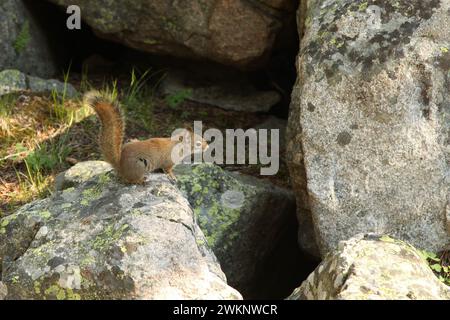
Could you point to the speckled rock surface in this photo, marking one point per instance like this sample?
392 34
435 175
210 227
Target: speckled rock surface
23 44
370 267
368 134
239 33
36 84
12 81
105 240
15 81
242 217
80 173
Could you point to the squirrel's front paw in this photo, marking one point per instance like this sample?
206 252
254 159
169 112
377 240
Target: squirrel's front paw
172 179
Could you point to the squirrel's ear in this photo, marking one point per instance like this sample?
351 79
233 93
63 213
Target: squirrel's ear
189 128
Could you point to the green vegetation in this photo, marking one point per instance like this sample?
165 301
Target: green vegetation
6 103
440 264
363 6
46 157
23 38
112 90
135 91
85 84
60 112
174 100
40 163
137 100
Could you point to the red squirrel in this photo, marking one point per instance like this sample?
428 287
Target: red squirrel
134 159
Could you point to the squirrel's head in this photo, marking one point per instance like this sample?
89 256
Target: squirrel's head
187 143
197 142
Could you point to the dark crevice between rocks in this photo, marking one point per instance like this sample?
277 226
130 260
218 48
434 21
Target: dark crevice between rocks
23 241
284 269
71 47
281 69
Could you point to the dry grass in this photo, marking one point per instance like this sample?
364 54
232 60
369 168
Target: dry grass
33 146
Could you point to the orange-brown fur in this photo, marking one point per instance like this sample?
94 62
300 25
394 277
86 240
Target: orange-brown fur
135 158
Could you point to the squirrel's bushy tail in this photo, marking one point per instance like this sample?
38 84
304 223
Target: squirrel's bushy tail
112 130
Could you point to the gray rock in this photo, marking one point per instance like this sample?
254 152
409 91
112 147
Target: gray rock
12 81
23 44
368 147
80 173
243 219
370 267
40 85
238 33
106 240
15 81
234 93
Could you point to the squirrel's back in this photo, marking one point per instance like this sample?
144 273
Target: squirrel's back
113 126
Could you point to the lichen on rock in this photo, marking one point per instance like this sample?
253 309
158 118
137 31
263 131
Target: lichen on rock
367 139
372 267
242 218
87 242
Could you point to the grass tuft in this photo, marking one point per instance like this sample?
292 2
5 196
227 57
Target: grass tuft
177 98
137 100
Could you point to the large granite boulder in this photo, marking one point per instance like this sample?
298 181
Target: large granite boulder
370 267
368 133
246 221
23 44
240 33
106 240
